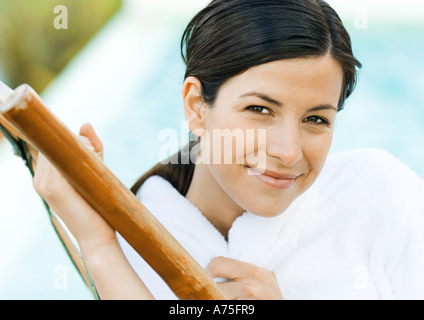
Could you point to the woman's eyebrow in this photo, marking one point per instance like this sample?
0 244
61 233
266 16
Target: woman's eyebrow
263 97
279 104
323 107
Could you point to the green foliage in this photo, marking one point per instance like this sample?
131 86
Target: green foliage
32 50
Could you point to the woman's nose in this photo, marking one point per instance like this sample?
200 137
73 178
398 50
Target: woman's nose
284 144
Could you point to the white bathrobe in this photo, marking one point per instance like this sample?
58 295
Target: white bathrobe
357 233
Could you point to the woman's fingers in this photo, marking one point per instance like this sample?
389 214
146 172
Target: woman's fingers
244 280
49 182
87 131
232 290
232 269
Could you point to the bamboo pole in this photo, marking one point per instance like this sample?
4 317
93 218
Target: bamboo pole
25 110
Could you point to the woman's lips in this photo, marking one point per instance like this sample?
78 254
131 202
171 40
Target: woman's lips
274 179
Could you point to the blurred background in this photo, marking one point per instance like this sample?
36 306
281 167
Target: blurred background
32 50
117 65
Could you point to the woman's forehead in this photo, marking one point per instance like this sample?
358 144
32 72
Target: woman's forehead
319 76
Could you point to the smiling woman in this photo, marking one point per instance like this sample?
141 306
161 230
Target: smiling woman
300 98
298 225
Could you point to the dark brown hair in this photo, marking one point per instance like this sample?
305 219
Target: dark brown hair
230 36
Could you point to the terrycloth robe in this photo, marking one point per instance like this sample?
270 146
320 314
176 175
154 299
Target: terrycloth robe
357 233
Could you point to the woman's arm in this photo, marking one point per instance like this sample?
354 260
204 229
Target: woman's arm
111 272
113 275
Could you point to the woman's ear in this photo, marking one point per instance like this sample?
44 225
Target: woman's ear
194 106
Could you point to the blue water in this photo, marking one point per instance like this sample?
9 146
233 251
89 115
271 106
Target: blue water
386 111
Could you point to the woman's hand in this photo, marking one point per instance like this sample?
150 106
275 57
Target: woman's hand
87 226
246 281
103 256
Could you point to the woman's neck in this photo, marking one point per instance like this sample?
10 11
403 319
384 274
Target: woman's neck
215 204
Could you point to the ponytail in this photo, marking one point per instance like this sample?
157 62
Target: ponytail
178 169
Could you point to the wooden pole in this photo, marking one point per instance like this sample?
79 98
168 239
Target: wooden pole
71 249
25 110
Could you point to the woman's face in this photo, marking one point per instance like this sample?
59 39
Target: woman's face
280 118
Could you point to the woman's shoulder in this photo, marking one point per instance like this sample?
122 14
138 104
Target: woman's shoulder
371 183
156 191
369 166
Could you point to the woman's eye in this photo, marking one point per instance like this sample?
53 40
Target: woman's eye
258 109
316 120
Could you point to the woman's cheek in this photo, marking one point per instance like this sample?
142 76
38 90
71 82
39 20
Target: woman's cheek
315 150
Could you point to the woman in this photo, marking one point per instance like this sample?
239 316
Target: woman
268 216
